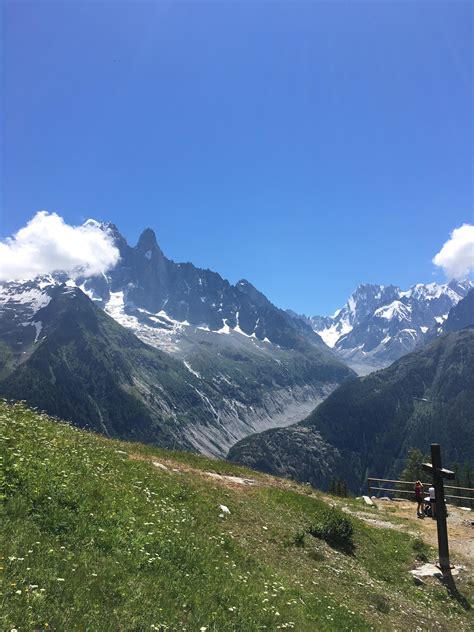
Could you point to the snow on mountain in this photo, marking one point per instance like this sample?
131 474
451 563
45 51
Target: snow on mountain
396 309
379 324
19 303
265 367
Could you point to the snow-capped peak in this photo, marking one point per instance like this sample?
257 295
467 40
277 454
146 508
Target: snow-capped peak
396 309
92 223
376 318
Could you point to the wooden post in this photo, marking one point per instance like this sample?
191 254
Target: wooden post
438 473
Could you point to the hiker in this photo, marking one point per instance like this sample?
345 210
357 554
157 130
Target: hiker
431 492
419 499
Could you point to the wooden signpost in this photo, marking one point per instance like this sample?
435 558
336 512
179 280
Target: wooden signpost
438 474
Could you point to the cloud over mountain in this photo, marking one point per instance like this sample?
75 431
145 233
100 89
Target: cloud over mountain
47 244
456 257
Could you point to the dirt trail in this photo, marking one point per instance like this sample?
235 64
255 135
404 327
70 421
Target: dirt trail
460 527
176 467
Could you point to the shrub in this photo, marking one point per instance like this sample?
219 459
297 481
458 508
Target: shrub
298 539
317 556
334 527
380 602
421 550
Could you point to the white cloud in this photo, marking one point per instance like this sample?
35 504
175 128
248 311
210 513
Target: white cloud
47 244
456 257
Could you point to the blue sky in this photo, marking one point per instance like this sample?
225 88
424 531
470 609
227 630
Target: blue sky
307 147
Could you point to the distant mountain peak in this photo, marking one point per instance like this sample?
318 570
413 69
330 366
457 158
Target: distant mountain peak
147 240
251 291
380 323
92 223
244 283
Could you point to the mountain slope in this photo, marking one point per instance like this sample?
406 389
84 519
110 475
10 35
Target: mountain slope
90 370
249 364
461 315
102 536
380 324
367 425
73 360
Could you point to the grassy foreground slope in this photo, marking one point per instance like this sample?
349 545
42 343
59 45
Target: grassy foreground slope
97 535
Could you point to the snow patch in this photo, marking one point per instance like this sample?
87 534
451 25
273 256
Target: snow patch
191 370
225 329
397 310
332 334
33 298
207 401
38 325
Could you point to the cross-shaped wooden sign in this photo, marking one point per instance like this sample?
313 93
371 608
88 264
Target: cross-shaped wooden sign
439 473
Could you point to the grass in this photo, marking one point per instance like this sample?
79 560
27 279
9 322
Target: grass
93 539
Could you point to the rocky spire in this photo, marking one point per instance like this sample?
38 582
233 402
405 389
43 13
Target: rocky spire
147 244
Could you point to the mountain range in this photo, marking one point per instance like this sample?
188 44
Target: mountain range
367 425
200 363
381 323
175 355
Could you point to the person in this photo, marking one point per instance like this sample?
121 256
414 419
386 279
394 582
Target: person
419 498
431 492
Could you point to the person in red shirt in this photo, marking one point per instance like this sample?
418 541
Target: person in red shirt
419 499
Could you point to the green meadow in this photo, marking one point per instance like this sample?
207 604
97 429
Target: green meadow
97 536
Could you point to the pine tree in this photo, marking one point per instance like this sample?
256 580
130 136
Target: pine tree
413 465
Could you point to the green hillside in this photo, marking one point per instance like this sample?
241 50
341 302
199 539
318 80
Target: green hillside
103 535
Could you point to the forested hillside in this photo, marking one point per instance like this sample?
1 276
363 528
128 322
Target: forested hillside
367 426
